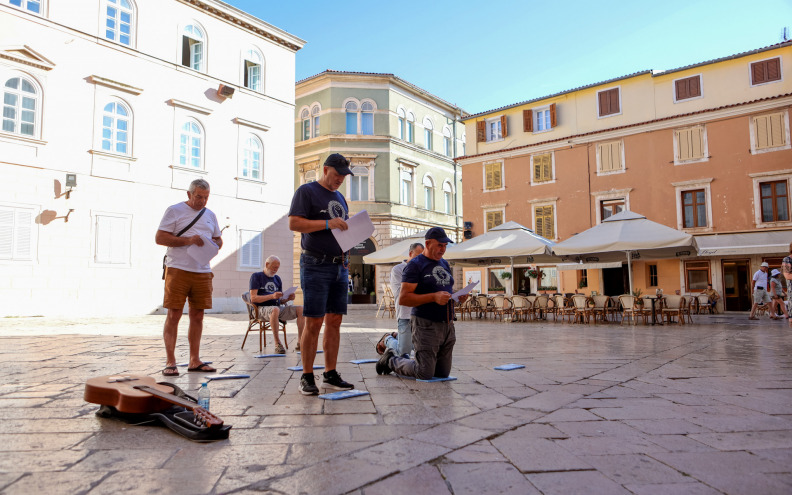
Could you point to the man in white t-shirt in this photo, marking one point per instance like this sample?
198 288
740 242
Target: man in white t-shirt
185 277
401 343
760 284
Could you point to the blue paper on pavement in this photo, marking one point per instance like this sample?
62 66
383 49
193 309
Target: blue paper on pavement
437 379
187 364
227 377
344 394
269 355
300 368
318 352
509 367
362 361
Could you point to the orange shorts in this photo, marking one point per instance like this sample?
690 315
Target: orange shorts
181 285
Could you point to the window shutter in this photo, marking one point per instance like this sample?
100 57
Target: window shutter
481 131
6 233
539 220
682 89
537 164
497 180
762 131
773 69
547 171
528 120
603 103
614 100
504 131
697 142
777 133
548 218
694 86
553 121
23 250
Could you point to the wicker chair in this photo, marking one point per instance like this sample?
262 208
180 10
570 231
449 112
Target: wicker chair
484 306
540 306
602 308
582 309
263 325
673 305
466 308
563 309
521 308
628 309
501 307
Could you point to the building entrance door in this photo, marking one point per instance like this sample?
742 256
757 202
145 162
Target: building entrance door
614 281
736 285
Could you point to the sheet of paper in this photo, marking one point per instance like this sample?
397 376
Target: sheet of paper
228 377
344 394
288 292
464 291
203 254
509 367
360 229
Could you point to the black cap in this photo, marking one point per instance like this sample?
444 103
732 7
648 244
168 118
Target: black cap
338 162
438 234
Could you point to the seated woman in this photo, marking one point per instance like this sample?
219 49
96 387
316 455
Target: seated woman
777 296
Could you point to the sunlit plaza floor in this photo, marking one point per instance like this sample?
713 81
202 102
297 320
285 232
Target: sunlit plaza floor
696 409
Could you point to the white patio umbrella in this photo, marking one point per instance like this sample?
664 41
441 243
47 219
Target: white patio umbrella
510 241
627 234
395 253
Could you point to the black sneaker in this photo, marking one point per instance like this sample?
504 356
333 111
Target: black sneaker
333 380
383 365
308 385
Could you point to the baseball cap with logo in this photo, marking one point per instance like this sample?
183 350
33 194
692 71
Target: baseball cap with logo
338 162
438 234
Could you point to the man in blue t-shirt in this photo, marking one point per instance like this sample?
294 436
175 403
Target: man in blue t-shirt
316 209
266 292
427 285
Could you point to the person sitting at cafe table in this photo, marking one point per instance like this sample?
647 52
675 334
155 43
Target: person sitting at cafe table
712 296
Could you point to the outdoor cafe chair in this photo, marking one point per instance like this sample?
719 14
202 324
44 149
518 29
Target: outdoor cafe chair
688 305
628 309
466 308
563 309
673 306
582 310
540 306
520 307
263 324
484 306
702 304
501 307
601 308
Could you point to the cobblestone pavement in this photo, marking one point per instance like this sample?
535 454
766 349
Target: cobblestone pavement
606 409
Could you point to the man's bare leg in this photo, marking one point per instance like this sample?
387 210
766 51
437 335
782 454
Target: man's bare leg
332 339
275 324
169 334
194 336
300 324
309 342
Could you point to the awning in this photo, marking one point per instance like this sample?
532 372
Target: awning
776 242
588 266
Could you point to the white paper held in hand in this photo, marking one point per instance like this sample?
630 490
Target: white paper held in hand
203 254
288 292
360 229
464 291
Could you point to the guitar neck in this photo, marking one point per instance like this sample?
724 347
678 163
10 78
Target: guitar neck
168 397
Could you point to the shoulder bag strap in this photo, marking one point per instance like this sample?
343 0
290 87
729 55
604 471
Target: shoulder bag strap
185 229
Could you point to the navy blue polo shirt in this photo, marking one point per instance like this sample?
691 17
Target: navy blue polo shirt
265 286
431 276
315 202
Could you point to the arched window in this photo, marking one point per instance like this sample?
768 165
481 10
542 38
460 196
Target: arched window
119 16
29 5
305 119
428 130
116 120
193 40
402 116
447 141
315 118
351 117
428 184
310 176
359 184
448 198
251 158
191 145
21 106
367 119
410 131
254 63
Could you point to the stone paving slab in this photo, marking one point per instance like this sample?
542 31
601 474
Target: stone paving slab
700 410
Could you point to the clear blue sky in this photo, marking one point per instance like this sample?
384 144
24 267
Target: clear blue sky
482 55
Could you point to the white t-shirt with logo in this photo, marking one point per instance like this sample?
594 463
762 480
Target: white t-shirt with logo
177 217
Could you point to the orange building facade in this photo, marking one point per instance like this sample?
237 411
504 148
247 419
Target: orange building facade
703 148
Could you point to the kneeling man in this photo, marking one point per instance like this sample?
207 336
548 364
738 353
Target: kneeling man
427 285
266 292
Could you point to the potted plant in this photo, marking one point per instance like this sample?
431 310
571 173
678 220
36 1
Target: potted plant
638 299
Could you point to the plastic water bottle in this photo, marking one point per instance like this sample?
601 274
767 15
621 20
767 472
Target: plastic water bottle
204 396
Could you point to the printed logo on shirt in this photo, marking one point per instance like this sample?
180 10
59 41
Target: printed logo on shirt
441 276
335 209
270 287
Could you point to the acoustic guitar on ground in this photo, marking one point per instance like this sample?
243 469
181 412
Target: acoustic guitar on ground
140 394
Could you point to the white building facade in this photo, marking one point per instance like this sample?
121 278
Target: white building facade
110 109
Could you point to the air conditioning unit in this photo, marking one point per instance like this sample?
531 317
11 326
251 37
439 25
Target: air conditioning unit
225 91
